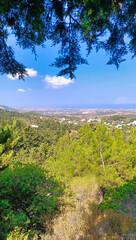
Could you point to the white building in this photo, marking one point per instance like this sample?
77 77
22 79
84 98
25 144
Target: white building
134 123
34 126
90 120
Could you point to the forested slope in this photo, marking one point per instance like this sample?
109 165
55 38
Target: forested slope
54 172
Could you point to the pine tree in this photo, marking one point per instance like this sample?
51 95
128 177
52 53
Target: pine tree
67 23
8 140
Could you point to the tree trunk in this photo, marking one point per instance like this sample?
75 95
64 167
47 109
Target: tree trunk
101 156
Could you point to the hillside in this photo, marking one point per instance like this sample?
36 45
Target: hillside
61 180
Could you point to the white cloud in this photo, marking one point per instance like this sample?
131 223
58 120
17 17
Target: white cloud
11 77
21 90
57 82
30 71
122 100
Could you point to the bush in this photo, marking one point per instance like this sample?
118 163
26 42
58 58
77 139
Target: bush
17 235
116 198
107 224
29 198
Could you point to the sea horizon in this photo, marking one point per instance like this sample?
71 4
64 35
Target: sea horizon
81 106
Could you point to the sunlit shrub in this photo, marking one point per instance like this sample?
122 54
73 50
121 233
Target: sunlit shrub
28 198
17 235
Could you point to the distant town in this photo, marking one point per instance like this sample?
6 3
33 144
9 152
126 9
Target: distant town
119 118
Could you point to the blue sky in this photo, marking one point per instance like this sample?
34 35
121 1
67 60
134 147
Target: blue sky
95 84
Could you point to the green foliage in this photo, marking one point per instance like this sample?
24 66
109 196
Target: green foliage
17 234
52 130
115 198
33 144
8 140
29 198
67 23
29 137
90 159
132 145
100 151
70 158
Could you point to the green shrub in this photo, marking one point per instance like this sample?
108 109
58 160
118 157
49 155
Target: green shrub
29 198
17 235
115 198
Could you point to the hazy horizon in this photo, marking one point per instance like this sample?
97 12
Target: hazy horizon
93 106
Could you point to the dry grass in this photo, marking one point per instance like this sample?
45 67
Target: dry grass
107 225
82 220
70 224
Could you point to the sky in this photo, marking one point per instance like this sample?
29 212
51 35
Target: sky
95 84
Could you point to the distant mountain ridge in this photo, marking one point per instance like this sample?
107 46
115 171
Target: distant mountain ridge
3 107
72 108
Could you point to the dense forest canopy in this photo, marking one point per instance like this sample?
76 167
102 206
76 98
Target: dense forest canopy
108 25
56 169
